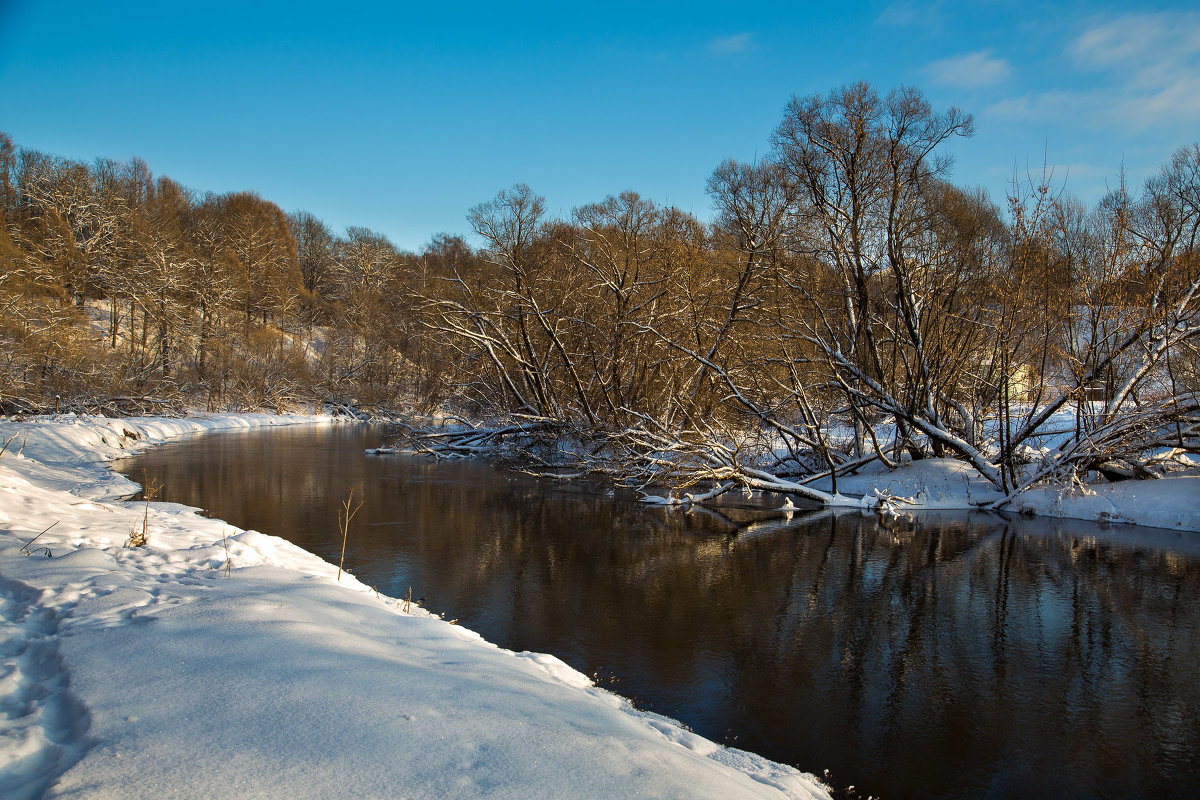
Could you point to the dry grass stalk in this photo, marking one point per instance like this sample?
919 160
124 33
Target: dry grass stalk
25 548
4 449
349 509
138 538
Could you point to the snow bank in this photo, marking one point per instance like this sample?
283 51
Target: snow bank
949 484
216 662
1172 503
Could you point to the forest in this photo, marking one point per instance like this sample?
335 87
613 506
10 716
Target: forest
846 304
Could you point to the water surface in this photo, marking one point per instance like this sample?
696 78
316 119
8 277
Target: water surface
966 656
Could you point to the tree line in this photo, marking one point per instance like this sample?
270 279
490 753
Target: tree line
115 282
848 303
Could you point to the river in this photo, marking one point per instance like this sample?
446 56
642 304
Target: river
964 655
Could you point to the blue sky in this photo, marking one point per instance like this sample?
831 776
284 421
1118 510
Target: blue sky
401 117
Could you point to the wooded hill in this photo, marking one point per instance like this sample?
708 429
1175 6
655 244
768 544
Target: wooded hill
845 288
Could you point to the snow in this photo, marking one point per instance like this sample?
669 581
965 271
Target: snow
1166 503
948 484
216 662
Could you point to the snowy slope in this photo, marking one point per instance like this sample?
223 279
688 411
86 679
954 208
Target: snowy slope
215 662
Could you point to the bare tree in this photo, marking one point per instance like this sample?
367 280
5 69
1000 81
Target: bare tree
314 251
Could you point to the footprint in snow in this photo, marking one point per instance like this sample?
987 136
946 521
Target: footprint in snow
43 727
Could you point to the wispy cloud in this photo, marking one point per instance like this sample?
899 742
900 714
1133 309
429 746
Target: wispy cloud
909 14
1147 43
970 70
1146 71
730 45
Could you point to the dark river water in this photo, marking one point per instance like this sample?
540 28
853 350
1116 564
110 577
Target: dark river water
965 656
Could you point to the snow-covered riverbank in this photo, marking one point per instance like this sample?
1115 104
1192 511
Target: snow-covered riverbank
940 484
215 662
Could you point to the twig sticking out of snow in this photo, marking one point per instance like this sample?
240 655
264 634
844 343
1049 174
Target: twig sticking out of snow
25 547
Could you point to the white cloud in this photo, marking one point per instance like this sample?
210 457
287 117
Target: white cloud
970 70
730 45
1145 69
1151 45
